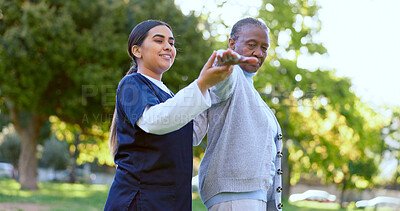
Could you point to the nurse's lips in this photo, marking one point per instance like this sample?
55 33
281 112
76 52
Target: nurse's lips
167 56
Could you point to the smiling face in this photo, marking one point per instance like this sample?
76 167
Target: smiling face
252 41
157 52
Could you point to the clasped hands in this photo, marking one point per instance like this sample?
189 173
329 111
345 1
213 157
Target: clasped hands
219 66
230 57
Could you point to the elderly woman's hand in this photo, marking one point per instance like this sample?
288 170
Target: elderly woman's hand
230 57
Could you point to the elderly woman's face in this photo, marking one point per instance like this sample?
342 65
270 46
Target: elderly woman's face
252 41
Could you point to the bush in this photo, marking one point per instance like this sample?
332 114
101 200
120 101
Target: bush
10 149
55 154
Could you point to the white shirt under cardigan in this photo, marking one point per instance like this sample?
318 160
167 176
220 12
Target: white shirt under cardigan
176 112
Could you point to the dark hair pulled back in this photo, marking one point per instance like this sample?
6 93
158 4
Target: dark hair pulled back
137 36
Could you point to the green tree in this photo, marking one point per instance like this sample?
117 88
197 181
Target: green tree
320 115
49 51
65 58
92 146
290 37
336 146
391 136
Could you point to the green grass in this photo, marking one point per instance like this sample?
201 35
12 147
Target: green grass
85 197
59 196
198 205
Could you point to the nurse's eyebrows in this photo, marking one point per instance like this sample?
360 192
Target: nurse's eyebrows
162 36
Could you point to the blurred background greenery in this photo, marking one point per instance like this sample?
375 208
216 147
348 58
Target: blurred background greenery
61 61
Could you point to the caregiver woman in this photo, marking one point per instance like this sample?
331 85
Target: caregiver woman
152 131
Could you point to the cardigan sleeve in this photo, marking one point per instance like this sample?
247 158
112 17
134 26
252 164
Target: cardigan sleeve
224 90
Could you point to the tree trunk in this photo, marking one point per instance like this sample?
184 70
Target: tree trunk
54 174
285 161
286 172
396 175
72 176
343 191
28 161
15 171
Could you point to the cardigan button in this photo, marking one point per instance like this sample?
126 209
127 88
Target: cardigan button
280 136
279 189
280 171
280 205
279 154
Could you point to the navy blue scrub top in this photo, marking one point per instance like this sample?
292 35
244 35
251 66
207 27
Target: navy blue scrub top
154 171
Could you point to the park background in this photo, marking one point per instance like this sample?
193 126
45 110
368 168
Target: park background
61 61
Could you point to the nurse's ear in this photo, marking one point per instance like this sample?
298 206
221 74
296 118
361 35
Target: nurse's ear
136 51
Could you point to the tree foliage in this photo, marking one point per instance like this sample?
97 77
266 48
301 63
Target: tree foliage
330 134
391 137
